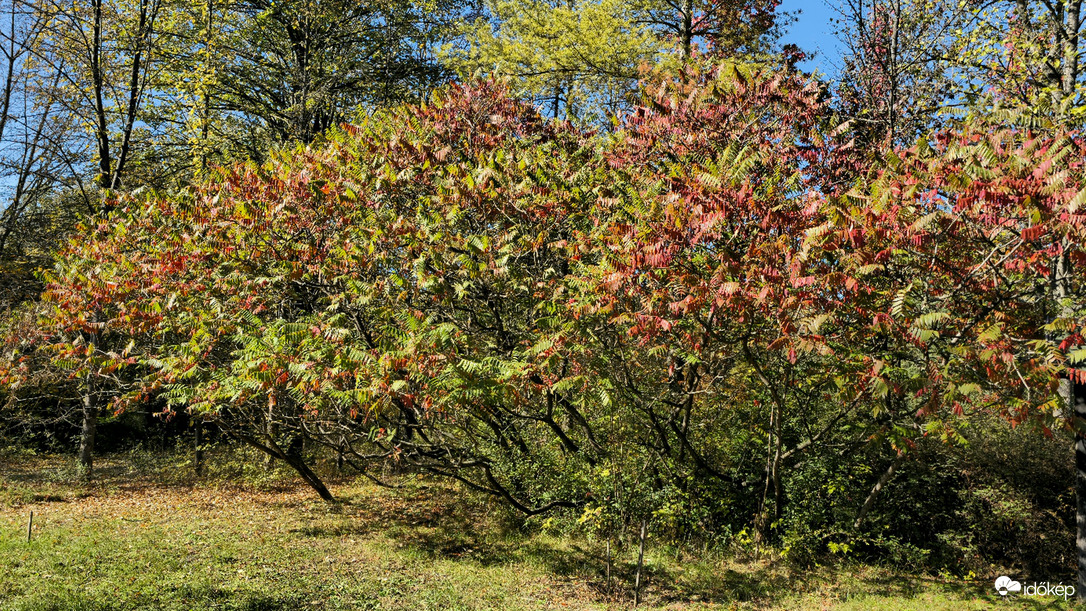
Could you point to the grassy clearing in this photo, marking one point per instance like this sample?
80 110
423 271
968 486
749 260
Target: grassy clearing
140 538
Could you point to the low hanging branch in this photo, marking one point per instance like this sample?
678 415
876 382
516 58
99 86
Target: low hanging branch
869 502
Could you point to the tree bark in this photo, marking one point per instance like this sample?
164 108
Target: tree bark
105 164
205 88
339 458
271 429
687 35
1078 400
308 475
135 92
90 407
774 459
1069 77
198 457
274 451
640 560
879 485
1071 46
608 563
1073 394
90 427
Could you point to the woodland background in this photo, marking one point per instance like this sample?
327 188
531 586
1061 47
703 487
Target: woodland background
619 266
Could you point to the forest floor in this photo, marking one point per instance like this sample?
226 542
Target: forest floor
143 537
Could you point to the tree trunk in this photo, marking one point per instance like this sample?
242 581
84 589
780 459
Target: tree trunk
205 89
687 34
272 450
90 427
135 92
271 429
101 128
762 522
640 560
1070 34
879 485
1078 399
198 457
1069 77
608 566
309 476
1073 393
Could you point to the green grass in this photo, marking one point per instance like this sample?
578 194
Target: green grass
139 539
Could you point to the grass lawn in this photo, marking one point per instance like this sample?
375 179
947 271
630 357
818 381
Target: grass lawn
139 538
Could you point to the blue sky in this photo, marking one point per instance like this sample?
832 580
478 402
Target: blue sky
813 31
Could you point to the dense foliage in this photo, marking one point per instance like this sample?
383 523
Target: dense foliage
694 291
709 318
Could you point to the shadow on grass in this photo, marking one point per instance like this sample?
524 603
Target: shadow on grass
420 523
193 597
435 521
424 523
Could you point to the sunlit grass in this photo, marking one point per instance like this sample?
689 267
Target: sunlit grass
136 539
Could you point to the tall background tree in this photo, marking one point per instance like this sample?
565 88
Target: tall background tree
576 60
300 67
582 59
